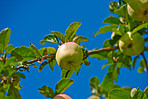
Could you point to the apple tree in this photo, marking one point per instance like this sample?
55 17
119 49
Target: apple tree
128 26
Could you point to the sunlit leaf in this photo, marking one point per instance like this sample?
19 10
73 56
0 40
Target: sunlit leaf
77 70
119 93
9 49
111 20
23 53
63 85
79 39
94 82
49 39
66 73
34 49
59 35
71 30
52 64
140 70
4 39
105 29
2 95
100 56
140 27
47 91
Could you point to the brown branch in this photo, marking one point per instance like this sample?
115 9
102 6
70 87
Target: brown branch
95 51
40 58
145 60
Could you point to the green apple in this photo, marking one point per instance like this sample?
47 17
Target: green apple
131 44
62 96
138 9
69 55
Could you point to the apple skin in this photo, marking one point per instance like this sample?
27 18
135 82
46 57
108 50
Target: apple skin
131 45
62 96
69 56
138 9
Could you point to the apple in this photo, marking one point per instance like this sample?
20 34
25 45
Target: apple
131 44
138 9
69 55
62 96
113 5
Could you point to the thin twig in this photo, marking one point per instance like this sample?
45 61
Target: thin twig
145 60
102 50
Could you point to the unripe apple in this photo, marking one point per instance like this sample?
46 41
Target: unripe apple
69 55
131 44
62 96
138 9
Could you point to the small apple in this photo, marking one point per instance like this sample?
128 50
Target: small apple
62 96
69 55
113 5
138 9
131 44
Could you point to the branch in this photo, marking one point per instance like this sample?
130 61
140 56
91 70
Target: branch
145 60
95 51
146 39
40 58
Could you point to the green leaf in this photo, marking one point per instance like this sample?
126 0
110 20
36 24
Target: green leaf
140 70
13 93
86 62
105 29
79 39
146 91
34 49
100 56
107 83
71 30
77 70
107 43
49 39
112 20
52 64
59 35
94 82
1 66
146 48
4 39
63 85
134 61
66 73
139 94
47 91
17 74
139 27
9 49
115 74
42 66
142 63
119 93
49 50
11 61
105 65
122 11
23 53
133 92
2 95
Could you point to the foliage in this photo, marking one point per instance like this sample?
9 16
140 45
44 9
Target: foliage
14 61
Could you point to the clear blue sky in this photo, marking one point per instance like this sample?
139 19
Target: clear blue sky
31 20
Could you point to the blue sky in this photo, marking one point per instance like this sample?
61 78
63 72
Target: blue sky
31 20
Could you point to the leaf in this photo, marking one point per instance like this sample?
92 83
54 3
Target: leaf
107 83
86 62
47 91
1 66
9 49
107 43
105 29
77 70
49 39
63 85
142 63
115 74
112 20
4 39
34 49
59 35
134 61
42 66
71 30
146 91
11 61
79 39
140 70
139 27
2 95
23 53
122 11
66 73
139 94
105 65
119 93
94 82
52 64
49 50
100 56
13 93
17 74
94 97
133 92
